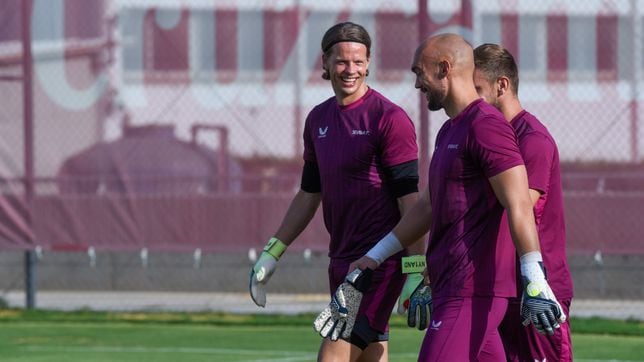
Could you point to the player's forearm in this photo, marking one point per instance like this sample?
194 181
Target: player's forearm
413 225
298 216
523 229
511 189
406 205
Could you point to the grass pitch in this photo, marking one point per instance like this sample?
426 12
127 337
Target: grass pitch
123 337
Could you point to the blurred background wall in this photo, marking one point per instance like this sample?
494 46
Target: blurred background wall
155 144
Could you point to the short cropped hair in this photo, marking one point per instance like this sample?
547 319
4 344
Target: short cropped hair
495 61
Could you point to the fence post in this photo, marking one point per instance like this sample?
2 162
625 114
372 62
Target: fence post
635 76
424 149
27 91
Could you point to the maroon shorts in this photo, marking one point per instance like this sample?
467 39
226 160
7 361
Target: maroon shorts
379 301
526 344
464 329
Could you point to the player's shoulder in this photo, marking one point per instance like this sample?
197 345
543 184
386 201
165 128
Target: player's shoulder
528 126
378 99
321 110
386 107
487 116
485 111
531 121
322 107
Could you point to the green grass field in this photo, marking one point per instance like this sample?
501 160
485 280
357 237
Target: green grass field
161 337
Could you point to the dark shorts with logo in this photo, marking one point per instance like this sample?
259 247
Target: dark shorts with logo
464 329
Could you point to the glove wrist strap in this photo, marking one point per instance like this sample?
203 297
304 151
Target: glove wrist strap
532 266
360 279
275 247
413 264
531 257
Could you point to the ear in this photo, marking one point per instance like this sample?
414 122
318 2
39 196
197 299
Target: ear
502 86
324 59
444 68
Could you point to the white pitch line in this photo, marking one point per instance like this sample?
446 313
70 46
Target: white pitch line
120 349
280 356
303 358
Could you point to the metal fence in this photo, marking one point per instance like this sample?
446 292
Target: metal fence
143 137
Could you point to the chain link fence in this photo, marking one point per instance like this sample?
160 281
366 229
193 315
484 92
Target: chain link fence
154 145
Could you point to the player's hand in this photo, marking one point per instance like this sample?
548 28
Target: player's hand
337 319
263 269
414 267
364 263
420 307
539 305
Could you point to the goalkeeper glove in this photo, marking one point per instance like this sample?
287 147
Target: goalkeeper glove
539 305
420 307
413 266
264 268
337 319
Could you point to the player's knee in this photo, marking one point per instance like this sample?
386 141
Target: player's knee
363 334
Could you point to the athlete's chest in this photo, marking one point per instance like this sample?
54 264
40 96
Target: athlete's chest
343 142
451 159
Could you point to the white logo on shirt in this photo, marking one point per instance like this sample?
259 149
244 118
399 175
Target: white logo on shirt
323 131
452 146
360 132
436 324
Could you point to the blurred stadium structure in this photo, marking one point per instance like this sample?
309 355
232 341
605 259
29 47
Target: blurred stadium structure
151 144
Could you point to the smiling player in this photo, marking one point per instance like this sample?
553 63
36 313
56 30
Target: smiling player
361 163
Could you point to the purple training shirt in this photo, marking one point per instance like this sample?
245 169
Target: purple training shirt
469 253
541 158
352 145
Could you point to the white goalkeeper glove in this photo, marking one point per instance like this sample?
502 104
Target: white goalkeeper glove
337 319
413 266
539 305
264 268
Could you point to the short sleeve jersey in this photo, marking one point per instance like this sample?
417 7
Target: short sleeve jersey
352 145
469 253
541 158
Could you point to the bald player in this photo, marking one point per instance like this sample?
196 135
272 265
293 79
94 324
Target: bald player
476 173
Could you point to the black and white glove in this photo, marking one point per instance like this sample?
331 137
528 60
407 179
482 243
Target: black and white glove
420 307
263 269
337 319
539 305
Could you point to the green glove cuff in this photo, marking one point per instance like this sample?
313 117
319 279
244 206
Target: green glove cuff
413 264
275 247
413 281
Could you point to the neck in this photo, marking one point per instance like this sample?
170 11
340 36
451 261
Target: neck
510 108
463 96
345 101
